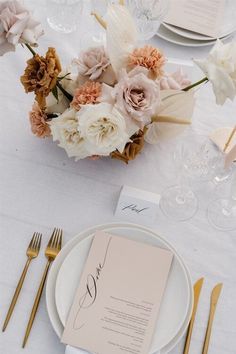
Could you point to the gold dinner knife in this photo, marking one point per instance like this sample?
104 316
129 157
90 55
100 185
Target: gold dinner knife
214 299
197 291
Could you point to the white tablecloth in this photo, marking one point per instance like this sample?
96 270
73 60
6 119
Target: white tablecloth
41 188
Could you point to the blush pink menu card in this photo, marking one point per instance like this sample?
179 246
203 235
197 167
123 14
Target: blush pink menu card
116 305
200 16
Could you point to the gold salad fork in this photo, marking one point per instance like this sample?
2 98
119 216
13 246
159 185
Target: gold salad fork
52 250
32 252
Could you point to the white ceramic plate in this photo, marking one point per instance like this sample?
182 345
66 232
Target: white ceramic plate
172 37
196 36
50 289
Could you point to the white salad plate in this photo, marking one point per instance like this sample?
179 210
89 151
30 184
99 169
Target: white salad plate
172 37
64 276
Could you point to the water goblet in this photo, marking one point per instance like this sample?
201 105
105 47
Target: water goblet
196 159
64 15
148 15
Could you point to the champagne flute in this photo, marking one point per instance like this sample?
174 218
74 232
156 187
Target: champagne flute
179 202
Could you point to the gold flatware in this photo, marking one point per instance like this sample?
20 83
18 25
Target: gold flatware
31 253
52 250
214 299
197 291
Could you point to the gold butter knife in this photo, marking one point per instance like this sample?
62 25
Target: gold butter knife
197 291
214 299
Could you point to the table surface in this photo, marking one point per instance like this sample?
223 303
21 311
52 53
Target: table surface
42 188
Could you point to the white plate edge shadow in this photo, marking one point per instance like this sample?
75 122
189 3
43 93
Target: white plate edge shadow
75 254
50 286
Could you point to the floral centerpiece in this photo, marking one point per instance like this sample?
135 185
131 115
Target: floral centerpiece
120 95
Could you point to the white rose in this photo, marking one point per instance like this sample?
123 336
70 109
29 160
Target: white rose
220 69
65 130
103 129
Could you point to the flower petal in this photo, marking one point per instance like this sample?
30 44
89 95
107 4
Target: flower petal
121 35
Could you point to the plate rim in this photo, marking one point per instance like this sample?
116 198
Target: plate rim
175 29
194 44
73 241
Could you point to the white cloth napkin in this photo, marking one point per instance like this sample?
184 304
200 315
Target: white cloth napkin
72 350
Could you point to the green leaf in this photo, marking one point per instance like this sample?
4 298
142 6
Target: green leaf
55 93
63 77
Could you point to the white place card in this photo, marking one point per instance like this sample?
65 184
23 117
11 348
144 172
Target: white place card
137 205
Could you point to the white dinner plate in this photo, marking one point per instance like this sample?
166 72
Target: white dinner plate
196 36
172 37
50 289
228 25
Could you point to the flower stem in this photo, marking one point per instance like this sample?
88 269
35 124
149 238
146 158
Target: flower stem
195 84
30 49
65 93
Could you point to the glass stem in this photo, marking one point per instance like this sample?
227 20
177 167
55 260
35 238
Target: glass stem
182 182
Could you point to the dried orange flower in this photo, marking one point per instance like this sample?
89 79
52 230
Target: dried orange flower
132 149
89 93
39 126
41 74
148 57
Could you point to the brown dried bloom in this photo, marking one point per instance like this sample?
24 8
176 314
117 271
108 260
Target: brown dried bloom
149 57
132 149
39 126
41 74
89 93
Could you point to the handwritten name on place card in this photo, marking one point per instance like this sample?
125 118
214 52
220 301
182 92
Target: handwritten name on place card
136 204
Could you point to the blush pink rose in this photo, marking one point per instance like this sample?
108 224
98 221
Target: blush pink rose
17 26
92 63
136 95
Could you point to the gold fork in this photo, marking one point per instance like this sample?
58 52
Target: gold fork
32 252
52 250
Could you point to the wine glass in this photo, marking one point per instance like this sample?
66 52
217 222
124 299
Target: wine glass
64 15
221 212
197 160
179 202
148 15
